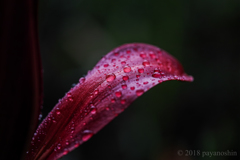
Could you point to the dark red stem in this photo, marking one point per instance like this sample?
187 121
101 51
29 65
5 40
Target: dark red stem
21 77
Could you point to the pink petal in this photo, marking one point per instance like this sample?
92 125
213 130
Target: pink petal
100 97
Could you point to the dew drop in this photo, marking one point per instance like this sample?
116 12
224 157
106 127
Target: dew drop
152 55
143 55
123 101
125 78
140 70
139 92
65 152
113 60
58 112
76 145
137 76
127 69
94 111
118 94
113 100
96 91
110 77
107 108
123 62
156 75
146 63
124 86
145 82
132 88
105 65
82 80
87 136
128 51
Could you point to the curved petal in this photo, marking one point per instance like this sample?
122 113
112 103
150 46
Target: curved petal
116 81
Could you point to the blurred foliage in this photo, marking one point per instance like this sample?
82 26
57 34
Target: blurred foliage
204 35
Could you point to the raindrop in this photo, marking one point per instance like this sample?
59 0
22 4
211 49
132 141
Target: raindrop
96 91
118 94
94 111
145 82
87 136
124 86
58 112
152 55
82 80
139 92
123 101
156 75
140 70
123 62
146 63
125 78
128 51
76 145
65 152
132 88
116 54
110 77
105 65
137 76
113 100
127 69
143 55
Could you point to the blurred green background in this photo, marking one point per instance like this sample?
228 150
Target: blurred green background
204 35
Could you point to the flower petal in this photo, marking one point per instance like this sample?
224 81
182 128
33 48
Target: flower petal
114 83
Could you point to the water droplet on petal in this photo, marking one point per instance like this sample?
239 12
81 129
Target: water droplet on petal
137 76
58 112
141 70
124 86
116 54
156 75
127 69
123 62
113 100
123 101
146 63
125 78
65 152
94 111
152 55
145 82
96 91
87 136
143 55
105 65
113 60
118 94
132 88
128 51
82 80
139 92
110 77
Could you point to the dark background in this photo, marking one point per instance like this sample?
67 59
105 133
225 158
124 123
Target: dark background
204 35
